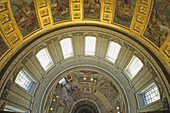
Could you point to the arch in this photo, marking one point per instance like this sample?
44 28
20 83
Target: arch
80 61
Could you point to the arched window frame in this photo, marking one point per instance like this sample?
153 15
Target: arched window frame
68 52
41 60
93 50
128 69
113 58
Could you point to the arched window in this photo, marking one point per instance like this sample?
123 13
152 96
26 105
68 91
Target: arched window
44 58
113 51
90 45
67 48
134 66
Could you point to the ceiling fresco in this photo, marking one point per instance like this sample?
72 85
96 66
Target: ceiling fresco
124 12
159 24
60 10
25 16
92 9
148 20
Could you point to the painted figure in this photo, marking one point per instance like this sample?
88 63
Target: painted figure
124 11
25 16
92 9
159 25
60 10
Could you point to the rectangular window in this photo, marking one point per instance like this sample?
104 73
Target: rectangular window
134 66
23 80
151 95
67 48
113 51
90 45
44 58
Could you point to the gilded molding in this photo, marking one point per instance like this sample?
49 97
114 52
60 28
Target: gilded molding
8 28
8 25
42 3
46 21
107 10
167 51
43 12
76 9
2 7
4 18
141 16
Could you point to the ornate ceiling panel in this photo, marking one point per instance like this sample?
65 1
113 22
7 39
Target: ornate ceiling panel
21 20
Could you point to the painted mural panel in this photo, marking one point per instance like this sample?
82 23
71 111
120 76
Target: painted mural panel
124 12
3 47
24 13
92 9
159 24
60 10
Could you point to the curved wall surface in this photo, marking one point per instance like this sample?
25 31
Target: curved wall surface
153 71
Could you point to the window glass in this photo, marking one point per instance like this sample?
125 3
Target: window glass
134 66
113 51
67 48
13 109
23 80
44 58
90 44
151 95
